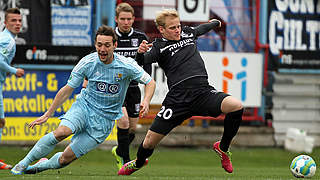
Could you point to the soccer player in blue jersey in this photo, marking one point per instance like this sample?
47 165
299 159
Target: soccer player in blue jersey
13 25
91 117
128 44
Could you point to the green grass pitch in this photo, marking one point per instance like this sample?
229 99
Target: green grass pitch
170 163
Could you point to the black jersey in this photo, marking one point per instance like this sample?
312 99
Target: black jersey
180 60
128 44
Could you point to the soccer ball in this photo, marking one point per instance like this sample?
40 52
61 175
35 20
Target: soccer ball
303 166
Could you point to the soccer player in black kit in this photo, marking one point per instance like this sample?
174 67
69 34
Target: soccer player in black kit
129 40
189 91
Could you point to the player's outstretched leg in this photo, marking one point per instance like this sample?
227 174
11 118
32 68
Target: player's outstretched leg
136 164
130 167
33 169
119 159
41 149
232 123
225 157
3 165
45 164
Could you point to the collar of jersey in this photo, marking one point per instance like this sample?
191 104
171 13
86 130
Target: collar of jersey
120 34
8 32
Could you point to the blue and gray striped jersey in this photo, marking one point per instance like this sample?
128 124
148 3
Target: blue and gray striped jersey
107 83
7 52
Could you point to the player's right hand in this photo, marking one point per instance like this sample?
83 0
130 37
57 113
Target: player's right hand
144 47
216 20
144 108
39 121
20 72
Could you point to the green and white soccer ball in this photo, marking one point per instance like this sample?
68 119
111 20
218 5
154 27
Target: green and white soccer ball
303 166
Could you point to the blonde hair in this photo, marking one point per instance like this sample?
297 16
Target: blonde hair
124 7
163 14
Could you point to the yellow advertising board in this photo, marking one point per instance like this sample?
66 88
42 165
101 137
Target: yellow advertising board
28 97
17 129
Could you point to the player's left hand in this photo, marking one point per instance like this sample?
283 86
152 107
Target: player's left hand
144 109
39 121
20 72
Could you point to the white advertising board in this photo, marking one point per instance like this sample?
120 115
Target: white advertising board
189 10
238 74
193 10
151 7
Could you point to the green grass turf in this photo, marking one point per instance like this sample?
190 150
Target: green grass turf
170 163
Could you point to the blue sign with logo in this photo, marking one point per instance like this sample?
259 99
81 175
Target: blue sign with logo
32 94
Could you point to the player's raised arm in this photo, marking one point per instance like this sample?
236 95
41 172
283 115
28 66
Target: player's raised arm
62 95
204 28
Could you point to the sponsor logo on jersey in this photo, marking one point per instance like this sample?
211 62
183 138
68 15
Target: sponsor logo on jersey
174 48
134 42
107 88
101 86
127 53
113 88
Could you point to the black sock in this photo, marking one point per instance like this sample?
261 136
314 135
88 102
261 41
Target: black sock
131 137
232 123
123 144
142 155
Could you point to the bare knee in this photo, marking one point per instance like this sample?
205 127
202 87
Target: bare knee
133 124
123 122
231 104
67 156
62 132
147 143
152 139
132 129
237 106
65 160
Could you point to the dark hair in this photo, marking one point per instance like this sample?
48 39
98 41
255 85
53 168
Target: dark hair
11 11
107 31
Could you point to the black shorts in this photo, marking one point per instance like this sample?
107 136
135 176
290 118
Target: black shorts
132 101
181 104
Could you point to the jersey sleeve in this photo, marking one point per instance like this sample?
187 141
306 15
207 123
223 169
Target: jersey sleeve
138 74
6 67
204 28
78 73
6 46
